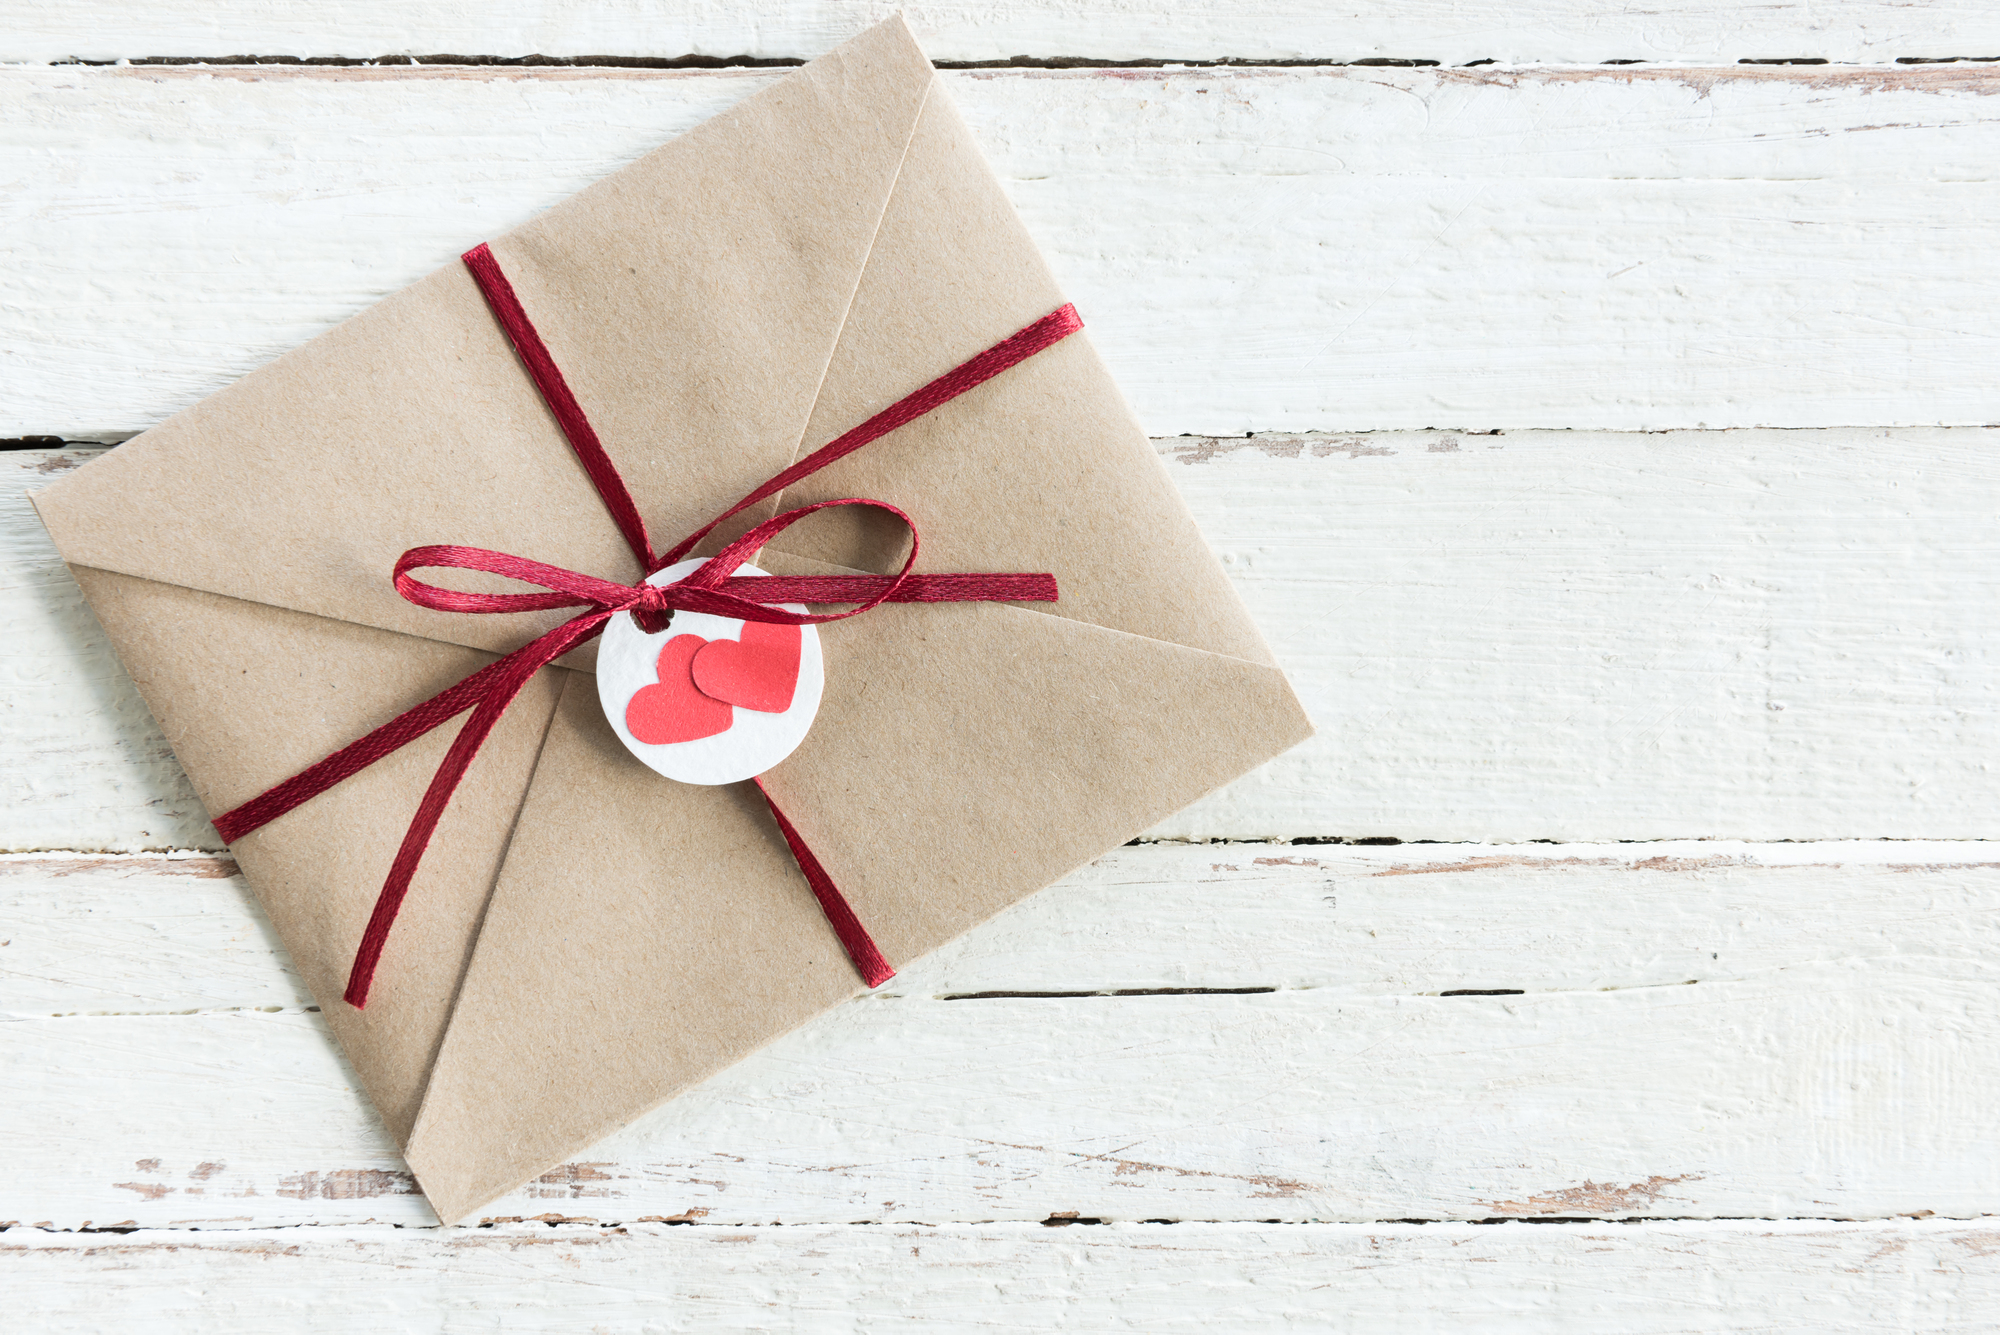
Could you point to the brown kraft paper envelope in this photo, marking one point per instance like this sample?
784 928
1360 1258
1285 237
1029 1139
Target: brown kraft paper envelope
586 939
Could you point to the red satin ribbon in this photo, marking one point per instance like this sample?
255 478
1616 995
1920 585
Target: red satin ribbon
713 588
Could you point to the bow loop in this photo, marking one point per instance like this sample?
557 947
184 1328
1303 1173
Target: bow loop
566 588
714 587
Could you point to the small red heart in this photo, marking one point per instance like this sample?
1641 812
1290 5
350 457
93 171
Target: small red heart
759 671
673 710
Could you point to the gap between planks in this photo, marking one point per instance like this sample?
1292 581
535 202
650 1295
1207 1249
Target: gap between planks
1452 31
449 62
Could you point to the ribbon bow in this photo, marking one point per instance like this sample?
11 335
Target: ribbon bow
713 588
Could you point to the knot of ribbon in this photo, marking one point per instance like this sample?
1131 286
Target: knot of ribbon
714 588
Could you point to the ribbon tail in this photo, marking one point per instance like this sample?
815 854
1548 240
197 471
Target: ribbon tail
997 588
501 690
854 938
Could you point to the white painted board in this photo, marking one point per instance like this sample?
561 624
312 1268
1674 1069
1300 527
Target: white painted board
1764 635
172 935
1247 1279
1253 249
1699 1031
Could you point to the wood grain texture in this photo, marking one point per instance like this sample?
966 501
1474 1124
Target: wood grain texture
1452 31
1255 250
1673 1279
1765 635
1699 1030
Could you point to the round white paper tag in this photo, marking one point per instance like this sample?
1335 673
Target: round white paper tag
710 699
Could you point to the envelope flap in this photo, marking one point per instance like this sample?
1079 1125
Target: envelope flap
1043 468
693 299
965 756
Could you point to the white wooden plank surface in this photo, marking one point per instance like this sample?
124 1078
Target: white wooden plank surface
1780 634
1702 1030
1767 635
170 935
1256 250
1453 31
1670 1279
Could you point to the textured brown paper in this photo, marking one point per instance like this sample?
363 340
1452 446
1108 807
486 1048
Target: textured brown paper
585 938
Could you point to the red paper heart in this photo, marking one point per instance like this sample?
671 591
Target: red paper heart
673 710
759 671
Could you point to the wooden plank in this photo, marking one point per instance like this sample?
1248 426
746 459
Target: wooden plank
1658 1279
1256 249
1701 1031
1453 32
151 935
1769 635
1764 635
